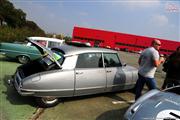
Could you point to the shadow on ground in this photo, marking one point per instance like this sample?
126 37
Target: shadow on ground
113 114
13 97
111 95
3 58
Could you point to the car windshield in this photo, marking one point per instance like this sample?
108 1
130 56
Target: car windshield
48 60
58 56
175 89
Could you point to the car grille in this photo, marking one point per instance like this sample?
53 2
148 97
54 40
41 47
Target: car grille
21 73
18 79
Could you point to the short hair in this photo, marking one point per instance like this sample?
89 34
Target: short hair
154 41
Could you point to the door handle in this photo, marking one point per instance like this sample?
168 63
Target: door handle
78 73
108 71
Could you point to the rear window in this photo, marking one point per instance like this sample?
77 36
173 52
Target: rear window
58 55
111 60
53 44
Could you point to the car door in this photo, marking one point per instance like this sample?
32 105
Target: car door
90 74
116 74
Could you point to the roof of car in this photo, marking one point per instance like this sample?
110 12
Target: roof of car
72 50
45 39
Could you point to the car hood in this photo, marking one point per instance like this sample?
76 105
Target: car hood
157 104
163 99
45 51
153 104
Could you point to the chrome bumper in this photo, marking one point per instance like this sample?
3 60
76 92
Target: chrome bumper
16 82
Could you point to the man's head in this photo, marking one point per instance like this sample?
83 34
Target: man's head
156 44
178 49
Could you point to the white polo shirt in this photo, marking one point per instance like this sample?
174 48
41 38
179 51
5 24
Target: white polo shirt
147 67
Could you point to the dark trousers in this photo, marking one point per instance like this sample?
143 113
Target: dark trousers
150 82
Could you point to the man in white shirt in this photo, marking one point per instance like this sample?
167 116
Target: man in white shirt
149 60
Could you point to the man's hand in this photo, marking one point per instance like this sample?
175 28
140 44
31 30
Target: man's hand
161 59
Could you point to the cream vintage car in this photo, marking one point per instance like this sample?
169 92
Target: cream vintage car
68 71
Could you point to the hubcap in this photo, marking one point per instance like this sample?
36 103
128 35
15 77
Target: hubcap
23 59
49 100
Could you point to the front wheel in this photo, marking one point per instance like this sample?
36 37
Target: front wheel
46 102
23 59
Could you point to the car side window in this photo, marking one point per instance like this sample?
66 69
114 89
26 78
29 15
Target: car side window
42 42
53 44
89 60
111 60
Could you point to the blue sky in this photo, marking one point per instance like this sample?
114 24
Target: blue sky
153 18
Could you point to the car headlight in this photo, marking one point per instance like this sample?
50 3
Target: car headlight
135 109
131 111
35 79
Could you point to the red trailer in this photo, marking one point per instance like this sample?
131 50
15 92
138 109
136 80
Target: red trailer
120 41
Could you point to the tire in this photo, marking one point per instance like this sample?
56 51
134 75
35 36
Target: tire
23 59
46 102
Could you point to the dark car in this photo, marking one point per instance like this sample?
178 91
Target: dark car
156 105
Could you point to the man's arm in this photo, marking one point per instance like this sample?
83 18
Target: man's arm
158 62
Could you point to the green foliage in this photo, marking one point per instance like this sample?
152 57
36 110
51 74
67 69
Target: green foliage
59 36
13 24
11 16
9 34
15 27
67 38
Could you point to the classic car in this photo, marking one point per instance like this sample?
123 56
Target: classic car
68 71
26 52
156 105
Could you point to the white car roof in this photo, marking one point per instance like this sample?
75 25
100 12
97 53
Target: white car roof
46 39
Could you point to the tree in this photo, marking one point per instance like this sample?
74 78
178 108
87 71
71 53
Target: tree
1 19
32 25
1 13
16 27
67 38
10 15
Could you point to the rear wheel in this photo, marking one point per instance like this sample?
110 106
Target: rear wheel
47 101
23 59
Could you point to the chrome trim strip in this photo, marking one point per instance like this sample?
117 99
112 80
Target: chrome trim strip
52 90
126 84
31 53
87 88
